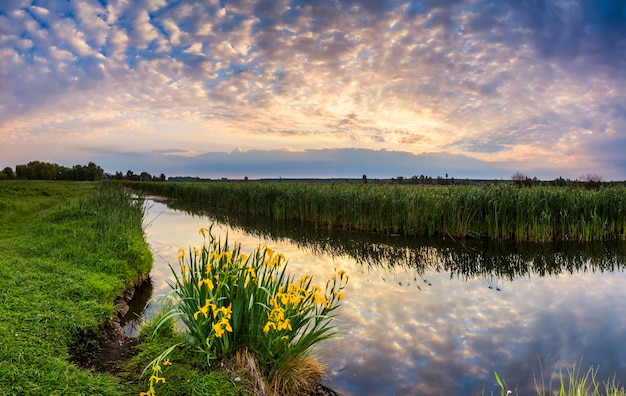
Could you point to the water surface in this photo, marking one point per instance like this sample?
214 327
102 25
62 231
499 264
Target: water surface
437 317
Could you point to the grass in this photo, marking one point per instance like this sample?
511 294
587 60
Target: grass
572 383
502 212
187 375
575 383
67 249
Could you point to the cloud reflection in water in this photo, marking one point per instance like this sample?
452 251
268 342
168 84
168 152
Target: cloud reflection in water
424 320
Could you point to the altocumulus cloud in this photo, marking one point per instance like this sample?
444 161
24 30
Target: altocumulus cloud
500 86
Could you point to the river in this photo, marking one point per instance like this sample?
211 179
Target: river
436 317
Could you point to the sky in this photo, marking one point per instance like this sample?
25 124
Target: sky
306 88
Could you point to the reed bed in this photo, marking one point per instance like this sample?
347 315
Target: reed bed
503 212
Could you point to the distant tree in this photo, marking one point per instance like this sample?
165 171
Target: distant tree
24 172
37 170
130 175
8 173
560 182
591 180
94 172
43 170
145 176
364 179
78 172
520 179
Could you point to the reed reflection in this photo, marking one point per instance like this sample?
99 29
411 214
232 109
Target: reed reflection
463 259
434 317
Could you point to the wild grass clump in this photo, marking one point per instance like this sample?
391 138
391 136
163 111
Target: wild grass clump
572 383
247 312
576 382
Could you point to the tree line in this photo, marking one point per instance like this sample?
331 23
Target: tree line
39 170
143 176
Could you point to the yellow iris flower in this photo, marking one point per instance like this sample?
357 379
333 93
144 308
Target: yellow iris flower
222 326
268 326
284 325
204 311
157 379
319 299
207 282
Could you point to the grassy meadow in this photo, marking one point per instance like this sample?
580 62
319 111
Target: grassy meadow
503 212
67 249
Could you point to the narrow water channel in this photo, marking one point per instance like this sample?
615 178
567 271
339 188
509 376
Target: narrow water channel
437 317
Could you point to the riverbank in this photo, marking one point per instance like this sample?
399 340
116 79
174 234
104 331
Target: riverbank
67 250
69 253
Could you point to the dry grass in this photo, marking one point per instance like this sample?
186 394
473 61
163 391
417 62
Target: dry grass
299 376
244 365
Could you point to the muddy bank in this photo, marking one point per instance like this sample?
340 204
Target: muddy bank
102 350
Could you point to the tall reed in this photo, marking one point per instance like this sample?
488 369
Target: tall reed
497 212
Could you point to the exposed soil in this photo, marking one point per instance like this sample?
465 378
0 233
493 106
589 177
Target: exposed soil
103 349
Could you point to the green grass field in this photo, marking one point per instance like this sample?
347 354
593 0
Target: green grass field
66 250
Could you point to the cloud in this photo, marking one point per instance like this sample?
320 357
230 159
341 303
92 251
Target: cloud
494 81
9 6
